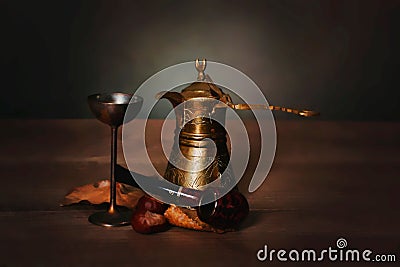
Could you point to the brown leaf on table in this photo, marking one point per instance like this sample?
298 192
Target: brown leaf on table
99 193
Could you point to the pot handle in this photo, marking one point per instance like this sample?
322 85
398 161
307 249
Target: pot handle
304 113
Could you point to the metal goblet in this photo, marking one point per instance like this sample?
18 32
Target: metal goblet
110 109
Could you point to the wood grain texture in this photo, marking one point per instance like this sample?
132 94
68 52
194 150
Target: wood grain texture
329 180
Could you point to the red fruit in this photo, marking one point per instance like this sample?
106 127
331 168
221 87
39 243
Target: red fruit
146 222
151 204
149 216
225 213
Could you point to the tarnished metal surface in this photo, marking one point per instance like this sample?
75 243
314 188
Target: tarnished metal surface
200 113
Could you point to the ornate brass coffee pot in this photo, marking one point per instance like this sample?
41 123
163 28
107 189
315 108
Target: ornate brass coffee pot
200 153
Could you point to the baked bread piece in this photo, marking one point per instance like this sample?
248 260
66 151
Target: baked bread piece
185 218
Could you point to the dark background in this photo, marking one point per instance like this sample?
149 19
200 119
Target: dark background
339 57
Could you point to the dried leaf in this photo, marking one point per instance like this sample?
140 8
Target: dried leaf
99 193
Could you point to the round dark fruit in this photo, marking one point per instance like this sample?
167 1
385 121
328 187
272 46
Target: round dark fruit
226 212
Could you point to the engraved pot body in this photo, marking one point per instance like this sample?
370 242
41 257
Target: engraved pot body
200 152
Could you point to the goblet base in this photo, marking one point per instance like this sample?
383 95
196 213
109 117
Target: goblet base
115 219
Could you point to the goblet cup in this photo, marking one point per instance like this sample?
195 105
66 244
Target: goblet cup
110 108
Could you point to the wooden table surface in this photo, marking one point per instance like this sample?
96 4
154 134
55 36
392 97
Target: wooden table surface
329 180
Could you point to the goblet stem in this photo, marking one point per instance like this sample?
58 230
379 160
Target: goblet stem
114 216
113 185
